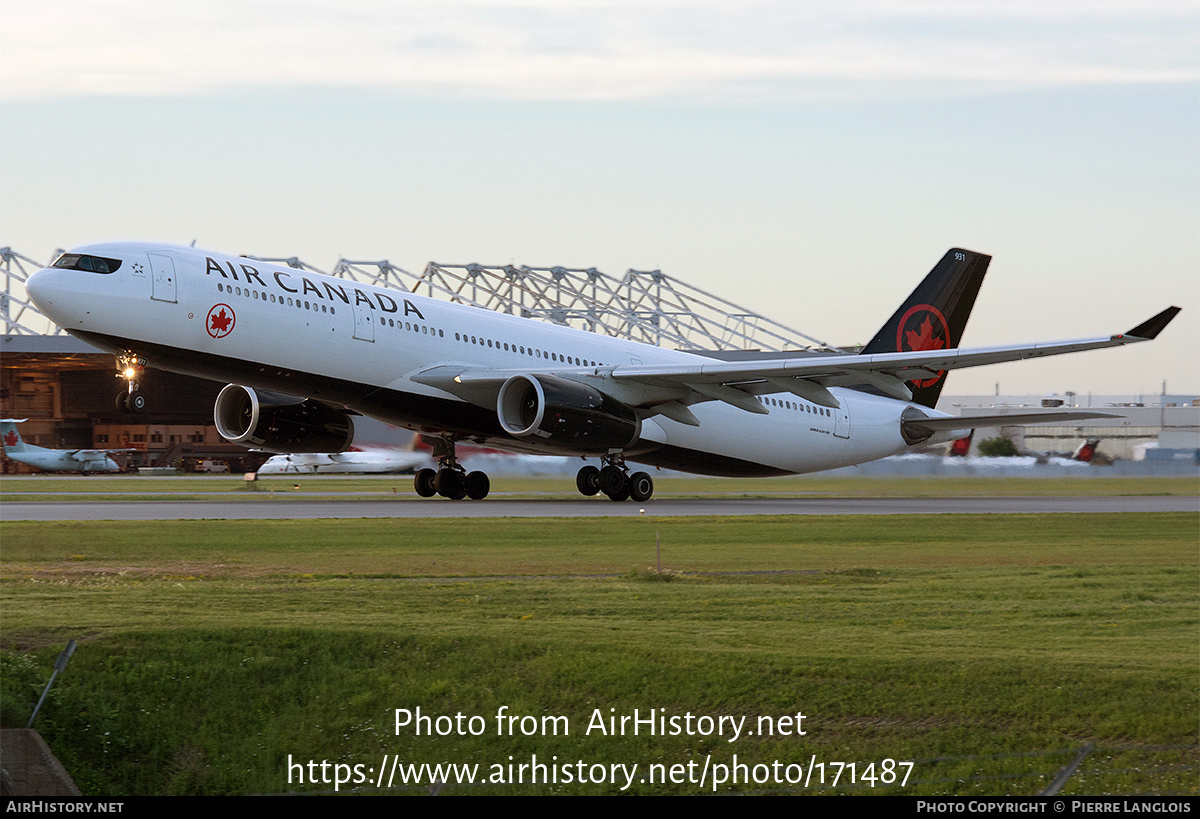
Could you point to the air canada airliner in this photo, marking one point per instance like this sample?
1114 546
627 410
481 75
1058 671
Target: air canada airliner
305 353
54 460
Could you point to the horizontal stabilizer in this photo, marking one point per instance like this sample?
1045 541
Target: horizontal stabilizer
931 425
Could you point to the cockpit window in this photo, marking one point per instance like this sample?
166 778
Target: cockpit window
92 264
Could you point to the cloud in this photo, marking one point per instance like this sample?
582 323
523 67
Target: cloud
574 49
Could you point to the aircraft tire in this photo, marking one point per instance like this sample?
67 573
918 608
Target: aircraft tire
122 404
423 481
621 494
612 480
641 486
478 485
450 483
588 481
136 401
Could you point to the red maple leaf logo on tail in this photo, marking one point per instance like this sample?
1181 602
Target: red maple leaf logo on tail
924 340
930 333
11 438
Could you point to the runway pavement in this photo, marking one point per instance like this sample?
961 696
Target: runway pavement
281 508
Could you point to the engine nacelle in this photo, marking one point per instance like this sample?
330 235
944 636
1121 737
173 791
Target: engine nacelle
280 423
565 415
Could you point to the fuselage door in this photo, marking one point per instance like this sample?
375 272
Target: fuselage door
841 420
162 271
364 322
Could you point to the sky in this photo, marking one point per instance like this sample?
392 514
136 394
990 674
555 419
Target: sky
810 161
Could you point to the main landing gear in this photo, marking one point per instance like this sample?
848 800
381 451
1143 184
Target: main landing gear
615 481
130 366
450 480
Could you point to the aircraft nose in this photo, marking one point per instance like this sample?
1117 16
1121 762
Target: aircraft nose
52 295
39 286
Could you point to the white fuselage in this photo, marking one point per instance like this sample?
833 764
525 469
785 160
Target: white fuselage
380 461
344 343
63 460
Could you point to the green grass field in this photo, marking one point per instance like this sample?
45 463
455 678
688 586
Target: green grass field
986 650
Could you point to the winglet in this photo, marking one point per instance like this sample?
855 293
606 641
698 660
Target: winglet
1152 327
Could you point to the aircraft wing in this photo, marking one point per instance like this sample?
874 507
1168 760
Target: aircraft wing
670 389
903 366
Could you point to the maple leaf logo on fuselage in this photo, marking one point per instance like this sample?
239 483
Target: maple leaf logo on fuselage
220 321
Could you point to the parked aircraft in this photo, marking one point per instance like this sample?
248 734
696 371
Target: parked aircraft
1086 451
53 460
364 460
306 352
962 447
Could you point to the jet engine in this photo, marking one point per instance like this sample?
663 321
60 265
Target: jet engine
280 423
565 415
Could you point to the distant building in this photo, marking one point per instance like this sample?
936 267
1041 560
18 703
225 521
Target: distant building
1145 426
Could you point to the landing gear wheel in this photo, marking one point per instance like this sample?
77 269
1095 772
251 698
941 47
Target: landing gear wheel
612 480
621 494
424 482
478 485
588 481
641 486
122 404
136 402
450 483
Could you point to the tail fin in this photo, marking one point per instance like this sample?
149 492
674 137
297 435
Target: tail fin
10 437
934 316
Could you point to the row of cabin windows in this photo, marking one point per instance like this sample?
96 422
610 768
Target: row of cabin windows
324 308
530 351
264 296
792 405
416 328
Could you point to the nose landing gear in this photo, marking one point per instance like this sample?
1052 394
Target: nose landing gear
130 367
450 480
